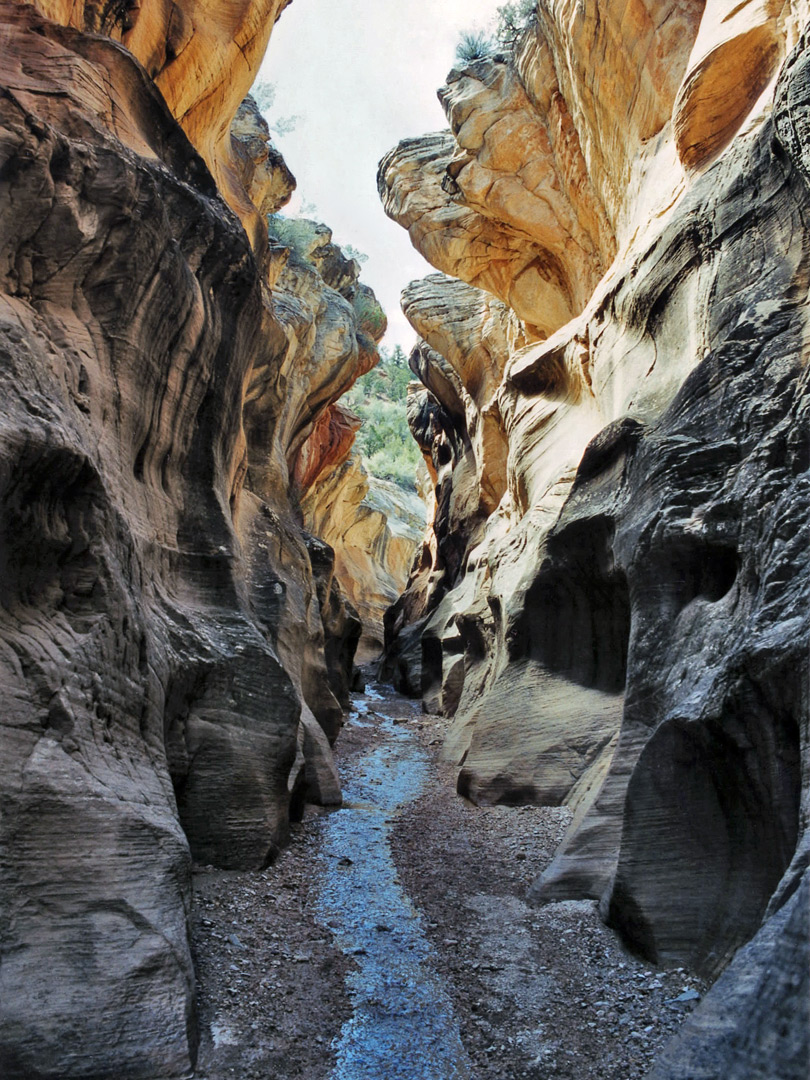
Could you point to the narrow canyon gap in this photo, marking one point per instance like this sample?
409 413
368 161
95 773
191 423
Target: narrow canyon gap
607 615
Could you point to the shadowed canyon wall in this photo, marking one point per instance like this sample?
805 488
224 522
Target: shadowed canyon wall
176 651
613 600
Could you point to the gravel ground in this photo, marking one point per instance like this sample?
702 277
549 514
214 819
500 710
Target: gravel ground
271 985
541 993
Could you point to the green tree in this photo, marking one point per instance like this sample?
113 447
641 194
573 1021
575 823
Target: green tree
264 94
512 20
298 234
351 252
385 441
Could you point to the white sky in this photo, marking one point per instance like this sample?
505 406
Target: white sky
363 74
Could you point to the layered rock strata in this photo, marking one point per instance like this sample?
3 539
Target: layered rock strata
375 529
176 651
626 630
203 60
332 325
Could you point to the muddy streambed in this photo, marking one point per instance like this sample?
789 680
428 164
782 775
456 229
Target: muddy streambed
392 939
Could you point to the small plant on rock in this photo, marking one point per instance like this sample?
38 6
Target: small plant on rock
298 234
351 252
474 45
370 316
264 94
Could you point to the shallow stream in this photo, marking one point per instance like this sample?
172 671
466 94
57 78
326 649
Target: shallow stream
403 1024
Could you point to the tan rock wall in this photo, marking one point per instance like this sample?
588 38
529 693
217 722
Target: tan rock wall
202 57
375 529
176 649
131 310
603 637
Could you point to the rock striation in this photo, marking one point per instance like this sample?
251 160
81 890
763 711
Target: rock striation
612 601
202 59
375 529
176 651
332 325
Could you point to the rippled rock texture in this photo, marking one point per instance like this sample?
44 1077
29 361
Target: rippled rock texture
375 529
203 59
176 652
613 601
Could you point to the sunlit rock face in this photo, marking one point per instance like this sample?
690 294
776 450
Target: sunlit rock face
627 629
524 195
202 57
176 650
375 529
264 172
331 324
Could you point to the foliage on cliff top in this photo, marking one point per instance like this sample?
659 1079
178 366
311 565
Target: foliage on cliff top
385 441
298 234
510 22
370 316
264 94
474 45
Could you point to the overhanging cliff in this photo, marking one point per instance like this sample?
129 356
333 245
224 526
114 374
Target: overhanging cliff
176 651
613 599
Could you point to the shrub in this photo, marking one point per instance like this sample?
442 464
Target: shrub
298 234
385 441
370 316
264 94
351 252
474 45
512 20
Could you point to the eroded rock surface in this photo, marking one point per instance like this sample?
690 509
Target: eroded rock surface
375 529
130 309
624 628
176 650
202 58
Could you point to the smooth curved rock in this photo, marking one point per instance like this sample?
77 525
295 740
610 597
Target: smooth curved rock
175 649
265 175
637 602
202 58
130 661
375 529
755 1022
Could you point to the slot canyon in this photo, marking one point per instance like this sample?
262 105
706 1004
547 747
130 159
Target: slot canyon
498 772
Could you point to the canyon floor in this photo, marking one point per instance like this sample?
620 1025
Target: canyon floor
391 938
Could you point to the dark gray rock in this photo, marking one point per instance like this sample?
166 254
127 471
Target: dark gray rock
671 566
755 1022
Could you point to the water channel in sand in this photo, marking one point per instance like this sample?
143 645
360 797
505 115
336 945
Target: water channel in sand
403 1024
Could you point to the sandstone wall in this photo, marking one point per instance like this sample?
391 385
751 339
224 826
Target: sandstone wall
375 529
625 628
202 57
176 651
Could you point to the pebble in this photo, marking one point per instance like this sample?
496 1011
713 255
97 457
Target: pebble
687 995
